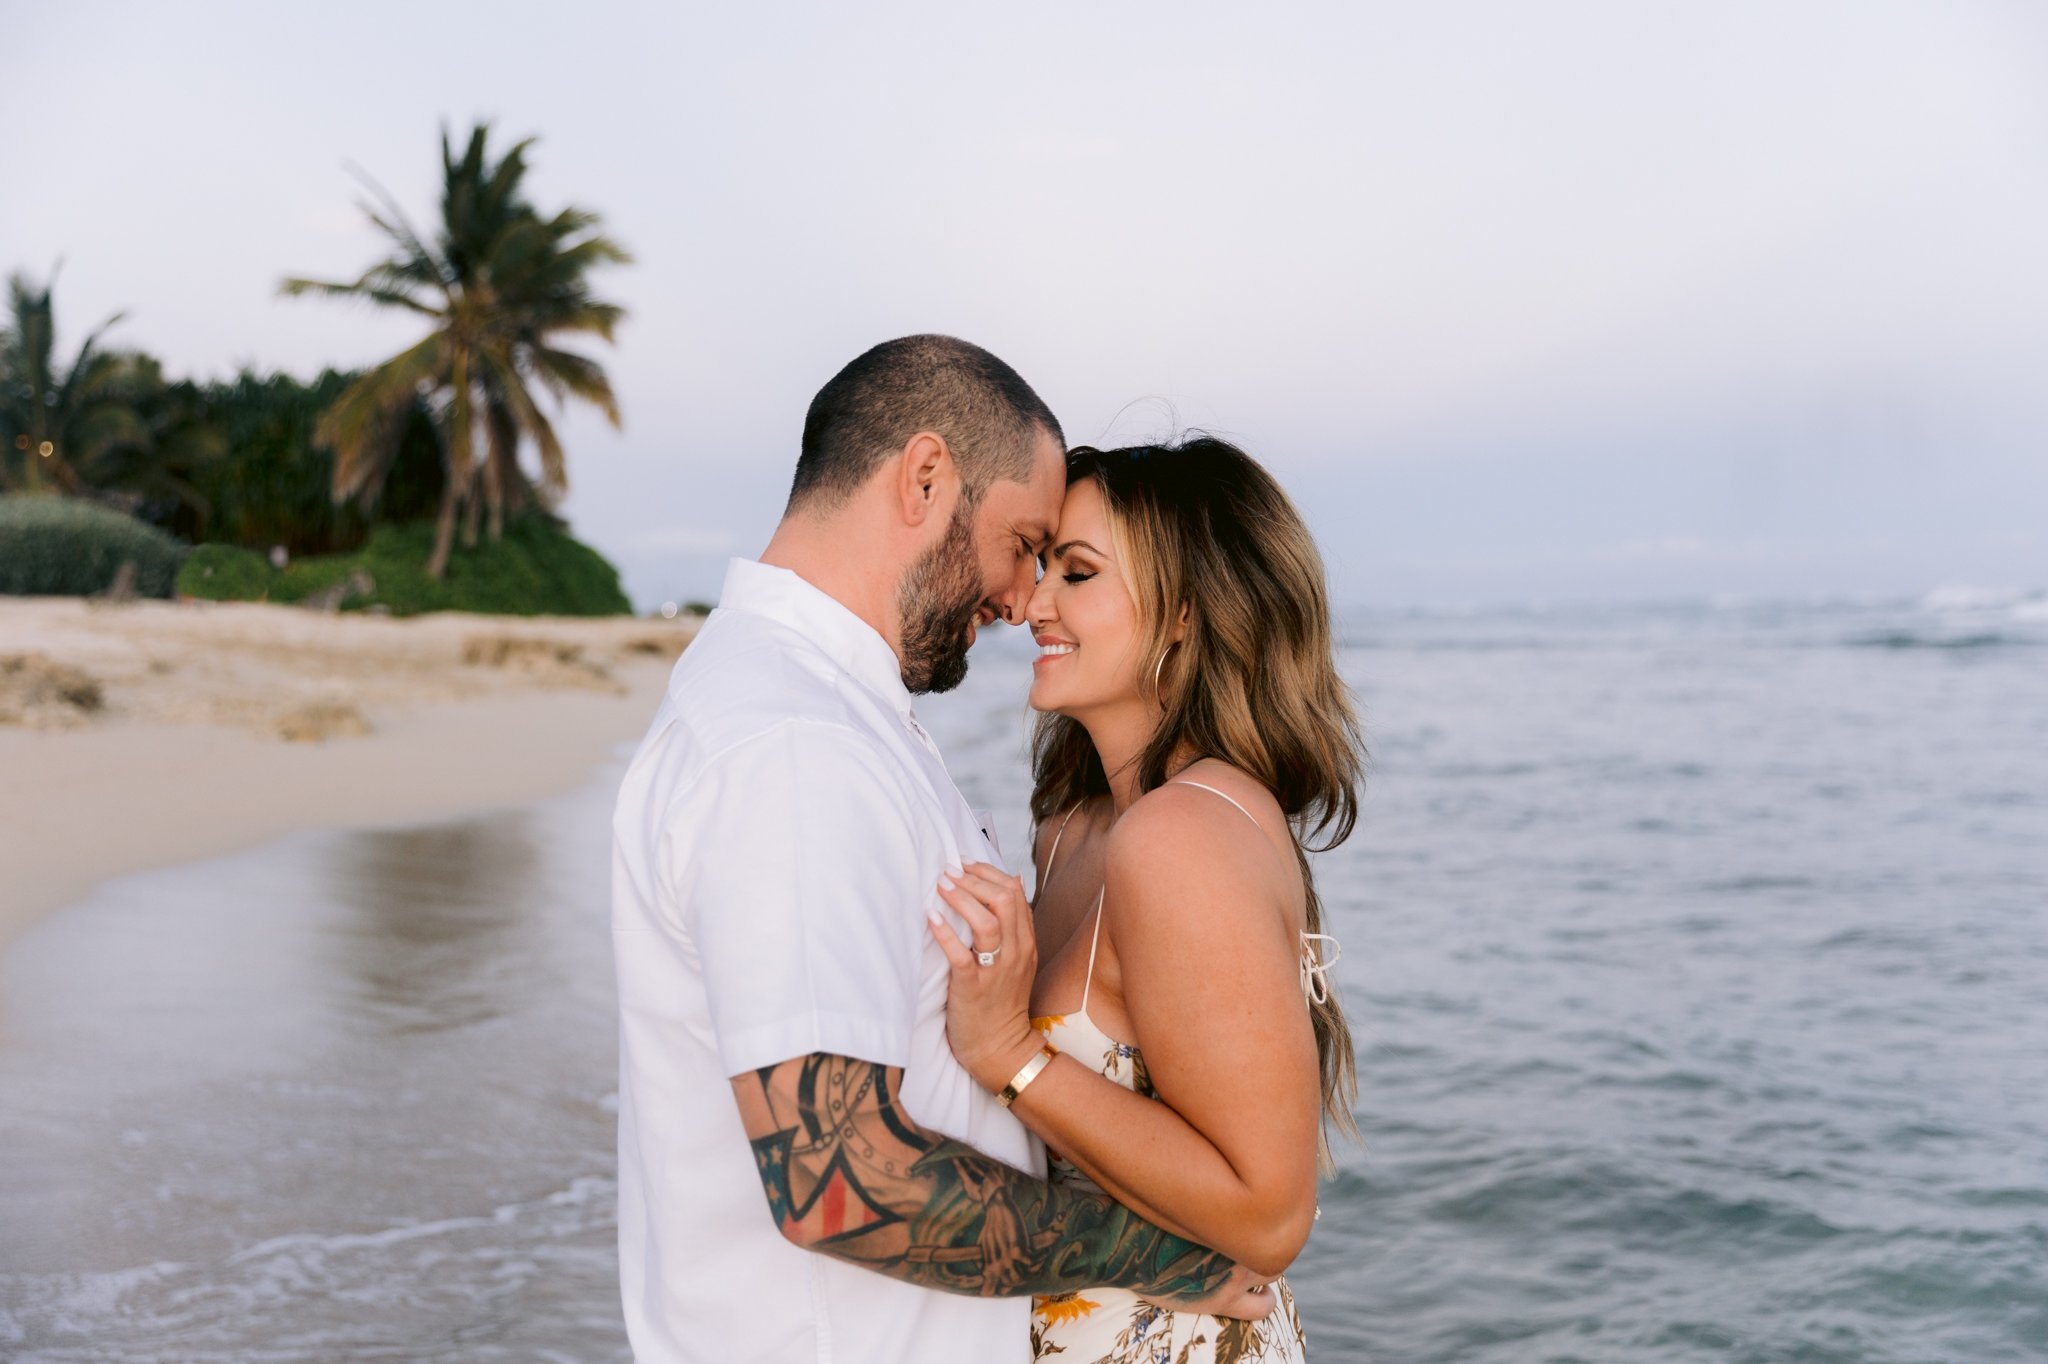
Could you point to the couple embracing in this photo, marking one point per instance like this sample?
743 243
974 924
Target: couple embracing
874 1107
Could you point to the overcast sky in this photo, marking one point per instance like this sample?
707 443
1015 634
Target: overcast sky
1522 302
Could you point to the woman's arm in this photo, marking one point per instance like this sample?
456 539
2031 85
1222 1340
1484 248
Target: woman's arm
1210 974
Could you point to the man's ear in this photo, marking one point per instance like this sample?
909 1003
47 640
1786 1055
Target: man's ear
925 475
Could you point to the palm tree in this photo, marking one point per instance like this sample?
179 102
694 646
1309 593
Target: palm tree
51 415
497 285
108 425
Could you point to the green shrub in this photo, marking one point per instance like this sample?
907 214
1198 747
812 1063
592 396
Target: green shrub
225 573
537 569
63 547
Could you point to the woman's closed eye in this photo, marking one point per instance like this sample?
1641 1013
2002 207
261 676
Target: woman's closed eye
1076 578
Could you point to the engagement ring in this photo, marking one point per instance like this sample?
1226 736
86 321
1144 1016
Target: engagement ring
987 958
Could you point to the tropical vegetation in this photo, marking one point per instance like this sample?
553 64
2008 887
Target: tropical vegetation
498 285
534 568
276 490
351 478
105 419
69 547
225 573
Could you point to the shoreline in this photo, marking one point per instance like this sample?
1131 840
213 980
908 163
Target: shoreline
179 732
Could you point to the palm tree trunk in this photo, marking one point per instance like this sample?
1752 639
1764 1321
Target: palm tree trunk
444 532
459 456
503 437
32 458
469 514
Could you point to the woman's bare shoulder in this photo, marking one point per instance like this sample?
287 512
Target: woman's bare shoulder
1191 832
1209 797
1185 871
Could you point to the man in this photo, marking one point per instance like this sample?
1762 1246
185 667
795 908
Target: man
778 841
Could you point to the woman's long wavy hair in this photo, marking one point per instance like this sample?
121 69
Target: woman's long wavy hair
1203 530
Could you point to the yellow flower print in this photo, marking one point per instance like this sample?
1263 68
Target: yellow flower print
1063 1306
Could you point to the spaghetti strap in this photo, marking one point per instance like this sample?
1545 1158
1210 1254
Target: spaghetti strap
1183 781
1315 966
1094 942
1054 850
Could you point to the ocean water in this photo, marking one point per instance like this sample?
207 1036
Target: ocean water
1697 958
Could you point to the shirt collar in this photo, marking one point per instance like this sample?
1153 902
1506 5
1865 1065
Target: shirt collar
781 596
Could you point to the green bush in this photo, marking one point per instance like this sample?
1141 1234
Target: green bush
537 569
225 573
63 547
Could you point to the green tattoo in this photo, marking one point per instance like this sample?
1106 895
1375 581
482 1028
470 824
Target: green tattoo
848 1173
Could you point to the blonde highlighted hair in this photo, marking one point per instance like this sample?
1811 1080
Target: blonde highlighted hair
1202 530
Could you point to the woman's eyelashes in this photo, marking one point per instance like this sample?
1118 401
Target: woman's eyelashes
1075 578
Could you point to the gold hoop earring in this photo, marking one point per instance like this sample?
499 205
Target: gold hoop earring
1160 666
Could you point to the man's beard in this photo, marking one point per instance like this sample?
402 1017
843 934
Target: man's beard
939 599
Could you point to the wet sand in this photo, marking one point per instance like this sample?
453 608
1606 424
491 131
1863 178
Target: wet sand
346 1095
155 733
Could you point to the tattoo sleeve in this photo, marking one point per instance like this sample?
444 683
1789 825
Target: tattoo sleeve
848 1174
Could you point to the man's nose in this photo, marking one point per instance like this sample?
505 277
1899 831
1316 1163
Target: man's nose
1013 601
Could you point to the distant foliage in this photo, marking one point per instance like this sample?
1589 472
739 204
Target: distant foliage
536 569
225 573
64 547
273 485
104 424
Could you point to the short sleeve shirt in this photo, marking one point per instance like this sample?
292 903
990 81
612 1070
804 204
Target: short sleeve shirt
777 844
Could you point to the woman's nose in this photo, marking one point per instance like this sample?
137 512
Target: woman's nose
1039 610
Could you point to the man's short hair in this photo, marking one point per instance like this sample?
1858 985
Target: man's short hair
870 410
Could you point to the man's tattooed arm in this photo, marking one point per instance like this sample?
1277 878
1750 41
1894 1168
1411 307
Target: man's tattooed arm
848 1174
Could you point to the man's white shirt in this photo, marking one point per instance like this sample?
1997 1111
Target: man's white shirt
776 846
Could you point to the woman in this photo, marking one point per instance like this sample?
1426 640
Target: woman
1160 1016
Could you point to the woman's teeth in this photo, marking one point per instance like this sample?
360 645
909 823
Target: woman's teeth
1055 650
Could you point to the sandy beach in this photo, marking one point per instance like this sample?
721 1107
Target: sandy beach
145 734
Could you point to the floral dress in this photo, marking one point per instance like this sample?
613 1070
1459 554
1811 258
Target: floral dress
1113 1325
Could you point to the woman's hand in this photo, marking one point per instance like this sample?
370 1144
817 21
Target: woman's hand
1245 1295
988 1013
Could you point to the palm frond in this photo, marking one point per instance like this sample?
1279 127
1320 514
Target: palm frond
389 218
363 423
554 466
578 375
98 435
83 366
368 293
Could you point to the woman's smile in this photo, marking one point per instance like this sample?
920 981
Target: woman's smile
1051 647
1082 599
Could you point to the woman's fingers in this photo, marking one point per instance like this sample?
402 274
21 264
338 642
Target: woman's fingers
957 952
1235 1298
987 929
988 1006
1002 893
997 882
